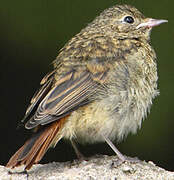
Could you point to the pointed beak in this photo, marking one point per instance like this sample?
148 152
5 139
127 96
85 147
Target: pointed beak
149 23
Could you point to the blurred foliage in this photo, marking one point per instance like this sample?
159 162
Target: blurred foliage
32 32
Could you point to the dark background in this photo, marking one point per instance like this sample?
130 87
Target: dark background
32 32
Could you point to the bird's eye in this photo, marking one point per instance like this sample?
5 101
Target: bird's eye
129 19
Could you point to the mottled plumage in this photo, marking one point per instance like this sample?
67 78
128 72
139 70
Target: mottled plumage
102 86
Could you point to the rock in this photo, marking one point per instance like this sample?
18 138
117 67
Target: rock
96 168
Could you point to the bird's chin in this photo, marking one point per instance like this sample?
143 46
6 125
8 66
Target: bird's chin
145 33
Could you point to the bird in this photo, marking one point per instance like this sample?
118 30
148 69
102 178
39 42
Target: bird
101 87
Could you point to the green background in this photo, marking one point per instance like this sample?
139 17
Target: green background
32 32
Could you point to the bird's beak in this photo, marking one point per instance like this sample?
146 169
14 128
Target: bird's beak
149 23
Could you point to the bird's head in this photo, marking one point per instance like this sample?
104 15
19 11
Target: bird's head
126 21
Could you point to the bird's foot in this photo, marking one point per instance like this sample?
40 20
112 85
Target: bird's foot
124 159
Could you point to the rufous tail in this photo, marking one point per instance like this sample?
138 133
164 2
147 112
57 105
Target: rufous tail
35 148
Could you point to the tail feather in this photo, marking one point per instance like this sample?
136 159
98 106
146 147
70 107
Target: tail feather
35 148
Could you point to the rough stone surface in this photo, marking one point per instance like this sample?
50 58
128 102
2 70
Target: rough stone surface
100 168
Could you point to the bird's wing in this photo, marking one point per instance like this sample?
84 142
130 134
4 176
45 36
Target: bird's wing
58 99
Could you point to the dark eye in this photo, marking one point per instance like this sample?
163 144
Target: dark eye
129 19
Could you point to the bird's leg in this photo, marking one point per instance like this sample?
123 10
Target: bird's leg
118 153
80 156
121 157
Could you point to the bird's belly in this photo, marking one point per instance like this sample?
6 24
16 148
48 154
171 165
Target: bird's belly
114 116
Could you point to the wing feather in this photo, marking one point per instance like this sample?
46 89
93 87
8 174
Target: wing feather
46 83
66 95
